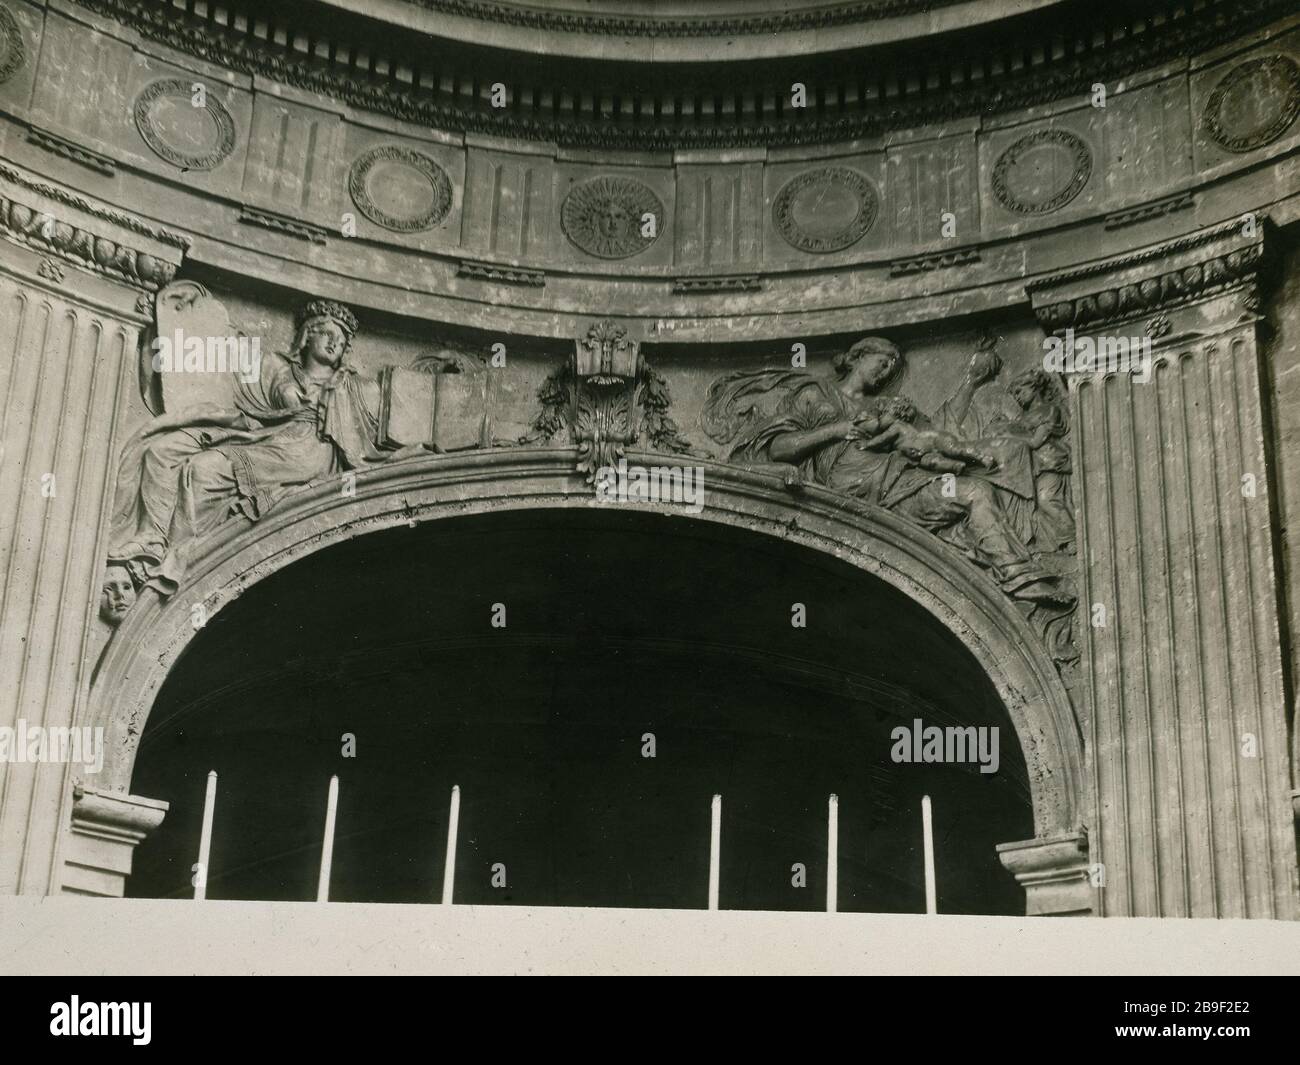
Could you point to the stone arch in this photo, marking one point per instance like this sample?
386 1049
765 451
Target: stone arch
931 573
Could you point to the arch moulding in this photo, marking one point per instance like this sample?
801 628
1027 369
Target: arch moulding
929 572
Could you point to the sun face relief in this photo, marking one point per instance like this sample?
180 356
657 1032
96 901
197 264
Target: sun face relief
605 217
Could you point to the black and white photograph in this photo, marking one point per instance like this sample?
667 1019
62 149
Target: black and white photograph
650 487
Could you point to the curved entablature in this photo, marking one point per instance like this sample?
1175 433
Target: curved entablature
295 169
976 68
726 30
964 600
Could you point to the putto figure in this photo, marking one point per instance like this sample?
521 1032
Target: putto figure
189 472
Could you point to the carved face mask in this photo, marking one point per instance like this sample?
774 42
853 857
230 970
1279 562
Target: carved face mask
117 595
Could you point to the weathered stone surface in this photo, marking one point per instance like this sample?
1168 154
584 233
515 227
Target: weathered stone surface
837 315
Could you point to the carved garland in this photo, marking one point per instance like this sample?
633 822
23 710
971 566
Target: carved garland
1081 158
53 192
608 397
176 88
41 230
1156 293
13 52
1284 72
358 188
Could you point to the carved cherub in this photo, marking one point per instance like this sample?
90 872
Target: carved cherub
897 425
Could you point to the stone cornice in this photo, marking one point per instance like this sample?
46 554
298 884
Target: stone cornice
136 225
42 230
505 275
1159 278
113 816
819 17
1054 872
748 112
78 153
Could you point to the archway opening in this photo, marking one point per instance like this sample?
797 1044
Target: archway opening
639 663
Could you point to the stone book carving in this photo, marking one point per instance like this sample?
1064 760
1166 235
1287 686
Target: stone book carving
446 409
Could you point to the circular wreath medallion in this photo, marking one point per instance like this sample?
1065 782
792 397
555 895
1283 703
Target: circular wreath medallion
196 137
825 210
400 189
605 216
1042 172
12 49
1254 103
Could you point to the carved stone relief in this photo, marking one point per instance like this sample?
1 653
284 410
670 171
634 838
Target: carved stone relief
607 398
825 210
46 232
177 130
400 189
1159 290
231 453
1254 103
117 595
606 216
13 52
998 490
1042 172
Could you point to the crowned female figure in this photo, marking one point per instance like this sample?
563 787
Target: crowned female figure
192 471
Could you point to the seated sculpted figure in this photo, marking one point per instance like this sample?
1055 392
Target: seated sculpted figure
817 422
189 472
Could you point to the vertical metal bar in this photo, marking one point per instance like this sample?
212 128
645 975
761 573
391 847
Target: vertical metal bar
327 848
715 851
205 837
449 864
927 829
832 854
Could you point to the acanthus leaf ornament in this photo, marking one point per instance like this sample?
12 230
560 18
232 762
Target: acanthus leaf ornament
606 365
607 397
